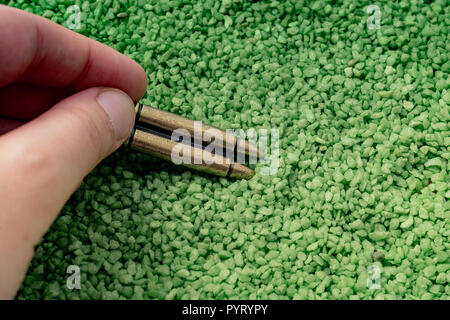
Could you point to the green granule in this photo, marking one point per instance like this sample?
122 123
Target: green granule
363 181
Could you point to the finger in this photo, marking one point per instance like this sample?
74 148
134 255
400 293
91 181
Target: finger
48 54
42 164
26 101
7 125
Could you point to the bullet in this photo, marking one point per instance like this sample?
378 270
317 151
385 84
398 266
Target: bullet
196 158
170 122
238 171
153 134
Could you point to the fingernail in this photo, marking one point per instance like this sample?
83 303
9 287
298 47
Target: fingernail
120 109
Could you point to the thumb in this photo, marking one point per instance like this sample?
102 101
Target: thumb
44 161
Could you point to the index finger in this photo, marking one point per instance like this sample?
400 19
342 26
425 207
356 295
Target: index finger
39 51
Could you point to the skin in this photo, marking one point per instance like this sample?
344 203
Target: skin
53 131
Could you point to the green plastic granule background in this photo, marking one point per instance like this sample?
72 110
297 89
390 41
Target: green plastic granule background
363 181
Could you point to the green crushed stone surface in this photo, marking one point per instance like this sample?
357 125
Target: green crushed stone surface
363 181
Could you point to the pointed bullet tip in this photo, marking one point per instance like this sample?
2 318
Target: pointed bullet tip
238 171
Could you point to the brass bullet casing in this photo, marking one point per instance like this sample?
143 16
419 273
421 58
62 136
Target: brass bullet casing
171 122
147 138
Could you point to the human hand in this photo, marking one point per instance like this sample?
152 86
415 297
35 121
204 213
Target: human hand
59 118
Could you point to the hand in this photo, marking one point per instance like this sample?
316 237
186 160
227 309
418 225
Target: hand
59 118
